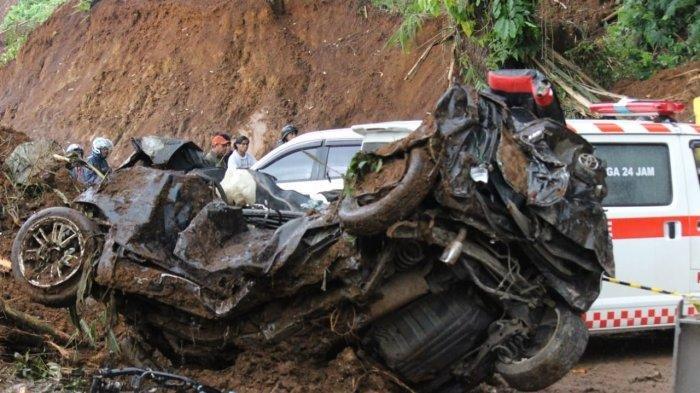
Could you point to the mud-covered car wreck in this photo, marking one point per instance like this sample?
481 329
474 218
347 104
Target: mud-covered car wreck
468 248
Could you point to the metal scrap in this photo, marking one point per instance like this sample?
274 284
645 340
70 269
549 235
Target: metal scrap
112 381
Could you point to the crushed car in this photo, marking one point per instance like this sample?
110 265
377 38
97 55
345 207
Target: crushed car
468 248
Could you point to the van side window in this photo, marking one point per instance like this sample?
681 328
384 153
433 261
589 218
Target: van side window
296 166
638 174
339 158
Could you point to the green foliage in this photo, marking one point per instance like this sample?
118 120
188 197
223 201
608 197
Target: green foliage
37 367
12 48
34 367
84 5
506 27
648 35
361 164
514 34
20 20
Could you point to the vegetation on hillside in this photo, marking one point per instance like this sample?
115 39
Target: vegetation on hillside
508 29
646 36
20 20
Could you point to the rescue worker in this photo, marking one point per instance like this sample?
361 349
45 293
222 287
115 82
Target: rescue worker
220 150
288 133
101 147
240 158
77 171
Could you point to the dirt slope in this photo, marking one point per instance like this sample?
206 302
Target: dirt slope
188 68
681 84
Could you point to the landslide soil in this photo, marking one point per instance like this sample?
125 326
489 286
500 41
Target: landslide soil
16 205
189 68
679 84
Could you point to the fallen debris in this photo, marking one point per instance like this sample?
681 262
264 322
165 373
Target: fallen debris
32 323
5 265
113 381
654 377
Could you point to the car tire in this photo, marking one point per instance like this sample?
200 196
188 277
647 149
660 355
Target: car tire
70 245
424 339
375 217
553 360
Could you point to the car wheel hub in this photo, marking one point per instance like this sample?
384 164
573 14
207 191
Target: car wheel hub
52 252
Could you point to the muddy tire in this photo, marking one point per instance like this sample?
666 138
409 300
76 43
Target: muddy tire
553 358
49 253
423 340
402 200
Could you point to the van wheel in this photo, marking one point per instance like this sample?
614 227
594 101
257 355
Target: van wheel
49 253
375 217
551 352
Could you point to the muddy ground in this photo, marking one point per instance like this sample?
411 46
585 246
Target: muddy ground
623 363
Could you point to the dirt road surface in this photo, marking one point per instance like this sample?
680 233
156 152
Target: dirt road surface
623 363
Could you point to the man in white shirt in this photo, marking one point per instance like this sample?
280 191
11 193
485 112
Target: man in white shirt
240 158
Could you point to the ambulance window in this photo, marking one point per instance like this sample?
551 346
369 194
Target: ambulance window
638 174
695 145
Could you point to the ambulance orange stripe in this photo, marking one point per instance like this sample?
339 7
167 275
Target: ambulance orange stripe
651 227
655 127
608 127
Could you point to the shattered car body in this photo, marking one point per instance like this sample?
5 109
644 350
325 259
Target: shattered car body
465 249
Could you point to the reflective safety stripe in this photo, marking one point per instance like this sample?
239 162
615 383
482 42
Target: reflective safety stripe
592 126
656 127
650 227
633 317
608 127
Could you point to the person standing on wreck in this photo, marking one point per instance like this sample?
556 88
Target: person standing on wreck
240 158
101 147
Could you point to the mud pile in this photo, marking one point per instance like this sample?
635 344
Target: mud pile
16 204
19 202
187 69
565 23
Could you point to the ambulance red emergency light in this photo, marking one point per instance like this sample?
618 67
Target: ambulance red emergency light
634 107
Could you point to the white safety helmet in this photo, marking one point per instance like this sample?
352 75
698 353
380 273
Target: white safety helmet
74 147
101 143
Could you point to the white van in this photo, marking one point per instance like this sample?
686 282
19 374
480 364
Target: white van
315 162
653 204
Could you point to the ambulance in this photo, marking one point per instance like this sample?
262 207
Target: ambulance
653 202
653 209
